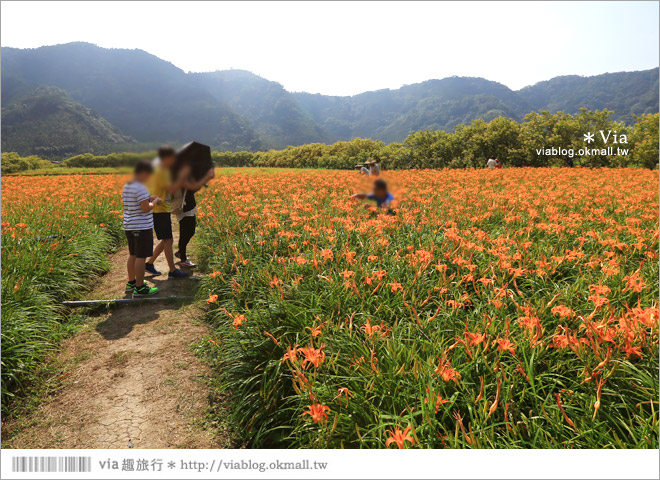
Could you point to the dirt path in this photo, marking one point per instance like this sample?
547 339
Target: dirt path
129 377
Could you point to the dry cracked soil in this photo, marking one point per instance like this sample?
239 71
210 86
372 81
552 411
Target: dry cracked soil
129 377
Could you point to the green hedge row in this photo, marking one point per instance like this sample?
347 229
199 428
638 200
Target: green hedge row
542 139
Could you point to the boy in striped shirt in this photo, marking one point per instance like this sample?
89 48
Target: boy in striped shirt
138 225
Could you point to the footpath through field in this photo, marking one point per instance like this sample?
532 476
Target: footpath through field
129 377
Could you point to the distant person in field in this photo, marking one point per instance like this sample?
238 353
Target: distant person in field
370 168
498 164
162 186
492 163
186 215
138 225
380 195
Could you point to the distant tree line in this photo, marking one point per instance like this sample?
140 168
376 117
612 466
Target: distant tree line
542 139
12 162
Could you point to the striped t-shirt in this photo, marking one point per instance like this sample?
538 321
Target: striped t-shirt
134 218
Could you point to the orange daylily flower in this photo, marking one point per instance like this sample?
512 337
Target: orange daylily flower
562 311
475 338
400 437
446 372
238 320
315 356
317 412
291 354
506 345
394 286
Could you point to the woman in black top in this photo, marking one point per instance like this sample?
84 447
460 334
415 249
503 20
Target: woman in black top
187 216
187 225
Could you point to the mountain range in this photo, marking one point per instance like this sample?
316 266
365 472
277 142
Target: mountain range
75 98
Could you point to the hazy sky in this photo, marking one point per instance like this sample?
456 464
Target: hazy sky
345 48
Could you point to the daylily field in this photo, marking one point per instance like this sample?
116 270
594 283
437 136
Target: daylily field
56 232
515 308
507 309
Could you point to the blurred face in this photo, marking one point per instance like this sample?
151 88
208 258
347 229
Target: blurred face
380 193
167 161
142 177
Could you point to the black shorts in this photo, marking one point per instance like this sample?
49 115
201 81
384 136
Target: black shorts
163 225
140 243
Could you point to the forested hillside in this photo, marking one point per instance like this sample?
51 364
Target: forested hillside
146 97
153 101
46 121
390 115
272 110
625 93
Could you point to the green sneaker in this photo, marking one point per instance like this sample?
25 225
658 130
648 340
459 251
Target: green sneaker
145 290
130 286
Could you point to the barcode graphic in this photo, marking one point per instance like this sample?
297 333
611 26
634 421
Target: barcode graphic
51 464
